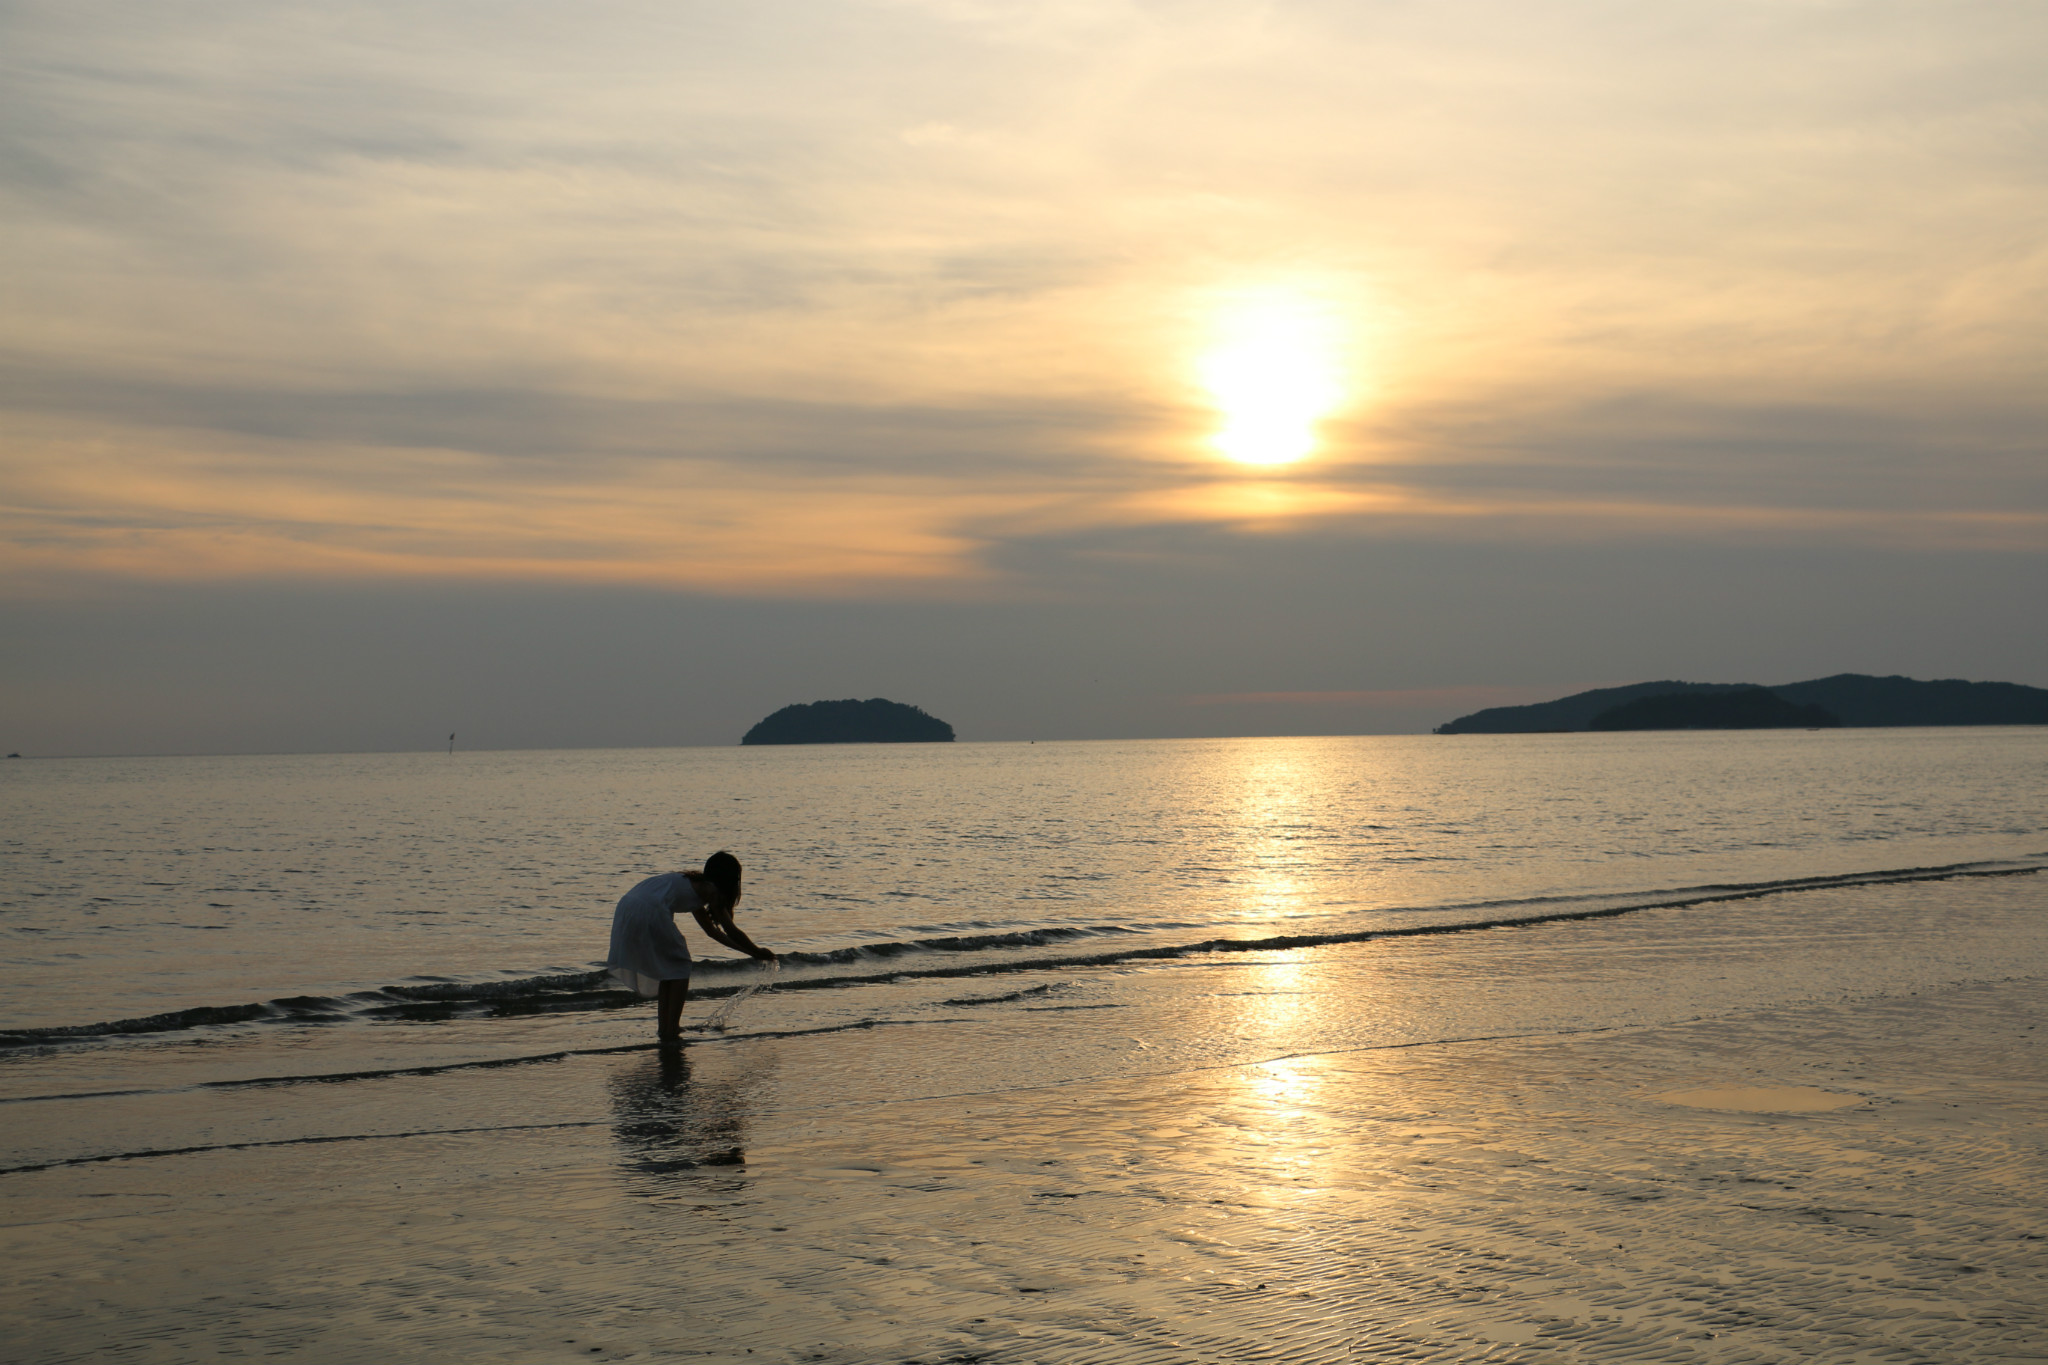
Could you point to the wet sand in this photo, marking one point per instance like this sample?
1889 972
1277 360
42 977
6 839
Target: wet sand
1536 1199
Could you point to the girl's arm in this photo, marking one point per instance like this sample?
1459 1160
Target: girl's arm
731 935
714 916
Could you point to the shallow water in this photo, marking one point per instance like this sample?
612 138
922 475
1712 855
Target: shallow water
308 1055
212 921
178 883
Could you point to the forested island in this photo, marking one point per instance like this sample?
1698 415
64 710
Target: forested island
874 721
1856 699
1741 708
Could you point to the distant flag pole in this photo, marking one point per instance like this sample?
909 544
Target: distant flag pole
451 746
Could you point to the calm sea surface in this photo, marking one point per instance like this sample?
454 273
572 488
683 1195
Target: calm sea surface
204 922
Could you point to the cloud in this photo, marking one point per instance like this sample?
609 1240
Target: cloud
862 298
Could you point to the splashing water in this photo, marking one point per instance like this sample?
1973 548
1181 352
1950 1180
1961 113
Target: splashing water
720 1019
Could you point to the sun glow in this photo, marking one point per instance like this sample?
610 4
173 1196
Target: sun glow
1273 375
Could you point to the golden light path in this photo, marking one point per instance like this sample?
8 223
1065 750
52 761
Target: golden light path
1274 374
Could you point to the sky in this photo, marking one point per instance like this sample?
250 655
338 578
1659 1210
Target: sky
616 373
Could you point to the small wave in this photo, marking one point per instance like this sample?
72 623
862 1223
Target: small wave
954 943
315 1140
592 990
536 994
444 1068
168 1022
1027 993
499 990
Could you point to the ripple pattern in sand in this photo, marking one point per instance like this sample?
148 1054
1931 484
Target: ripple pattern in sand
1526 1201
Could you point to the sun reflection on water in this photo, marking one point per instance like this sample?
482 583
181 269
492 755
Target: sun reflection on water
1276 816
1275 997
1288 1120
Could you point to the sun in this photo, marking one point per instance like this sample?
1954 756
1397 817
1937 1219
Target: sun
1273 375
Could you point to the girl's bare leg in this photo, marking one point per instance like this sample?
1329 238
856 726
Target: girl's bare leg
668 1008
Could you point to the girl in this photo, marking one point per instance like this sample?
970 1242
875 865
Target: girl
649 956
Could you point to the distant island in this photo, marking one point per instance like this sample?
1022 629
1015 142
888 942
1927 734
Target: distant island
1744 708
874 721
1855 699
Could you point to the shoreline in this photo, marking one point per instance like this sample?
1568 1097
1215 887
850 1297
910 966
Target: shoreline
1518 1200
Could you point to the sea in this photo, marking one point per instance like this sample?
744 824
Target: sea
213 953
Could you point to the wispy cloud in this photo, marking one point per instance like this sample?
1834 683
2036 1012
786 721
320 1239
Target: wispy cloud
844 298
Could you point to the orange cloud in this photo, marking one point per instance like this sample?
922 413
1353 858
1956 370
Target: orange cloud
85 497
958 293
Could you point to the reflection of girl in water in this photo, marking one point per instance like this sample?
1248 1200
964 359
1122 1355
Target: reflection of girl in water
648 953
668 1124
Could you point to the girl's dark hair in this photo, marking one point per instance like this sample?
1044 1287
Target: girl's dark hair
723 870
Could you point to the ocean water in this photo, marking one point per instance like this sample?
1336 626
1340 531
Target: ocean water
191 941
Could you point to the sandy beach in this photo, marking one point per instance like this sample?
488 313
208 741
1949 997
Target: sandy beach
1522 1199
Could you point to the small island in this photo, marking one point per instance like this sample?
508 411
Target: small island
874 721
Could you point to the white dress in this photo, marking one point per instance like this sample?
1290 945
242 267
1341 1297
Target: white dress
647 948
